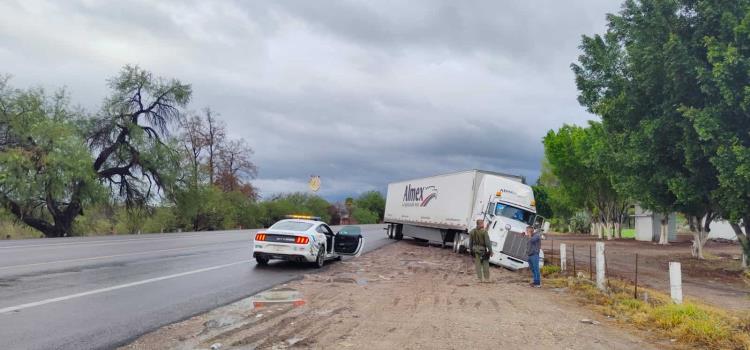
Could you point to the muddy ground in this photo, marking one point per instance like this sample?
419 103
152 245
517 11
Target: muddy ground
402 296
718 280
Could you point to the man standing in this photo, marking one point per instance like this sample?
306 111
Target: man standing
481 247
535 243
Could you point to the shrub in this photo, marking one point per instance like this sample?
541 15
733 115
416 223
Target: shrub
549 270
580 222
690 323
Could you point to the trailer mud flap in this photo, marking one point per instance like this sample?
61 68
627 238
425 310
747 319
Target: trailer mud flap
515 245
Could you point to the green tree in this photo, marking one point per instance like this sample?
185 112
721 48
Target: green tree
722 118
364 216
541 196
640 76
299 203
372 201
580 159
205 208
555 196
48 175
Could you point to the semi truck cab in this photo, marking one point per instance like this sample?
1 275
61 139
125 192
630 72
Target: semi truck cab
506 217
506 224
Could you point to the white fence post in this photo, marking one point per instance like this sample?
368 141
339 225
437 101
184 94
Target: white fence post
675 282
600 277
562 256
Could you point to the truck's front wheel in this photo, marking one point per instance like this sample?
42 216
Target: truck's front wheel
459 247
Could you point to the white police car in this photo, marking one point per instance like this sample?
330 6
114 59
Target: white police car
306 239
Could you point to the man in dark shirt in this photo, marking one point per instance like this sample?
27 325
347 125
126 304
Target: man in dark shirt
535 243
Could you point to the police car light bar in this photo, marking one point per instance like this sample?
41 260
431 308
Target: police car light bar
303 217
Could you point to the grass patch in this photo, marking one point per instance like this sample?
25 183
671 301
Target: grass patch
13 230
693 324
549 270
628 233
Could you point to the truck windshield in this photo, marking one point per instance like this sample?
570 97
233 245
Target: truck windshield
514 213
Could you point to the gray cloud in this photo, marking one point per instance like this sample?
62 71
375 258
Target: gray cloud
360 93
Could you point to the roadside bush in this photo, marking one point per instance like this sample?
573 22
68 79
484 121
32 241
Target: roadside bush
295 203
10 228
364 216
129 221
580 222
695 324
559 225
162 219
97 220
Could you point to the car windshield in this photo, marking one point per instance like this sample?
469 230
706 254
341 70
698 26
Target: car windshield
291 225
514 213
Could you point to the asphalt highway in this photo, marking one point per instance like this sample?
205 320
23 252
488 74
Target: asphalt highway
102 292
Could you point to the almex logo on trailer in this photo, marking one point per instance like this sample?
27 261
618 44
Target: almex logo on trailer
419 196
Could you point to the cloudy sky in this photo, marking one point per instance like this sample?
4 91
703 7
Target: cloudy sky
361 93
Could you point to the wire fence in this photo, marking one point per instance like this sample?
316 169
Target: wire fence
581 258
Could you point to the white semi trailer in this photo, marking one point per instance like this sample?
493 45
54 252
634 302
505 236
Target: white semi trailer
443 209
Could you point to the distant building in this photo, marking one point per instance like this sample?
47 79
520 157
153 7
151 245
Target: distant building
347 220
722 230
648 225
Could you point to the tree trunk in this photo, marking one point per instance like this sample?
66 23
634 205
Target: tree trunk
742 237
618 229
700 227
697 249
664 232
62 218
608 229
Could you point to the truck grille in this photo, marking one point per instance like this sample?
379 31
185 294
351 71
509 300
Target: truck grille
515 245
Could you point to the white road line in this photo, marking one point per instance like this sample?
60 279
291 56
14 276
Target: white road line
121 286
108 256
119 241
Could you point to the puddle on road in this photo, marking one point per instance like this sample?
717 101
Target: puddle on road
277 297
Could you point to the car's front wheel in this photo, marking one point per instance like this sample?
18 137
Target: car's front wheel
262 261
320 260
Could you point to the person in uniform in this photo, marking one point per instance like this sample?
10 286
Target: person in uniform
481 247
532 251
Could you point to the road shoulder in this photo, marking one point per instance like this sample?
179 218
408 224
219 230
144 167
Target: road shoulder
400 296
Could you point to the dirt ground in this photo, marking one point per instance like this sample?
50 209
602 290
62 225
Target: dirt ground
717 280
402 296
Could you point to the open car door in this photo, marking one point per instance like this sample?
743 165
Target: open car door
348 241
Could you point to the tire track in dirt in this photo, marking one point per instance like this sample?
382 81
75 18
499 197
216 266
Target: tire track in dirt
408 297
